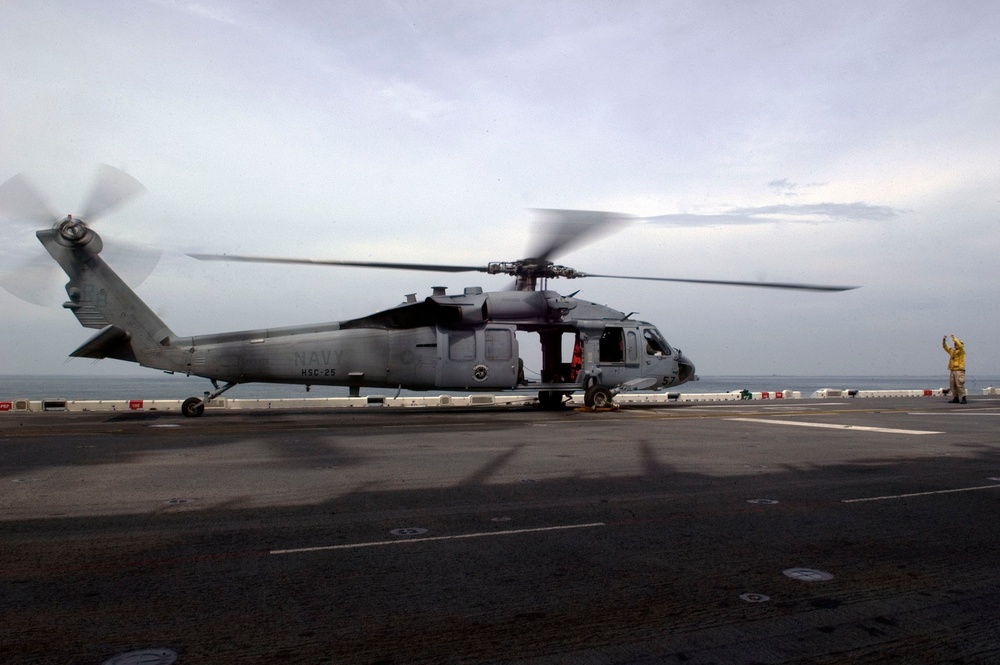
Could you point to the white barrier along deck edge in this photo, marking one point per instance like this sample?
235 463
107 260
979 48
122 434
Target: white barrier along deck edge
439 401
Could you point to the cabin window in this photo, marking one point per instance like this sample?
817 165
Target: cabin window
631 346
462 345
611 348
655 343
499 344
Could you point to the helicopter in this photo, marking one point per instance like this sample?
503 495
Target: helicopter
466 341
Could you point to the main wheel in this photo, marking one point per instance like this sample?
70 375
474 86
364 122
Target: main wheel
192 407
597 397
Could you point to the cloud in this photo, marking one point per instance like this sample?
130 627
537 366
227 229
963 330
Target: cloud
807 213
788 188
218 12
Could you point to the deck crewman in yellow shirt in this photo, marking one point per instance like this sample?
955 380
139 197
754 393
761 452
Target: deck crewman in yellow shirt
956 367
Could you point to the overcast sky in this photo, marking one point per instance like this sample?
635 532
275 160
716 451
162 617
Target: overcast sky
827 142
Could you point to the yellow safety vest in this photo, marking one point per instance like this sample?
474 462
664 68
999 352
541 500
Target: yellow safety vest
956 356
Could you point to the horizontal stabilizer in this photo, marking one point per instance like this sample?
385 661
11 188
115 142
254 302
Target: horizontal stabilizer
112 342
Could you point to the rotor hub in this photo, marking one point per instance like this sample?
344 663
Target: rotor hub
532 268
72 229
73 232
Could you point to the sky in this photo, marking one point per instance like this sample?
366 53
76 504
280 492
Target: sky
835 143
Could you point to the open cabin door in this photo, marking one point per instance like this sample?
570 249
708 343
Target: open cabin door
618 354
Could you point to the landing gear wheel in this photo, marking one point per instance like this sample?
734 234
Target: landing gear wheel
550 400
193 407
597 397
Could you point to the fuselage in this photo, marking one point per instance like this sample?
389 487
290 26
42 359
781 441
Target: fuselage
401 348
448 342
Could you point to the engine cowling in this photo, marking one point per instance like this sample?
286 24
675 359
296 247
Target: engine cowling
516 305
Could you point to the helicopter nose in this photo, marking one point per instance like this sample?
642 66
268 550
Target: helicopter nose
685 369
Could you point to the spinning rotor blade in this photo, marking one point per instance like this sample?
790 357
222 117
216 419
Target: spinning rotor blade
26 272
132 262
112 188
21 202
763 285
562 230
34 279
429 267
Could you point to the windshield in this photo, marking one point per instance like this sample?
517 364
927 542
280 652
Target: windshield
655 342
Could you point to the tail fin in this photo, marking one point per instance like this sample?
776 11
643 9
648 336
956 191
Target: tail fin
100 299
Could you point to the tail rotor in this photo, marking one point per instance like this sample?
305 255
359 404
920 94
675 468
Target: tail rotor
29 273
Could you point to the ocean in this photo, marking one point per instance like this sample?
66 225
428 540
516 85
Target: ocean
164 386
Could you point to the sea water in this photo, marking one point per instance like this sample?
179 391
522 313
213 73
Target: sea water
164 386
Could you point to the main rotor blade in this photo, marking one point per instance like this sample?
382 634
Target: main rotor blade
20 201
763 285
429 267
560 230
112 188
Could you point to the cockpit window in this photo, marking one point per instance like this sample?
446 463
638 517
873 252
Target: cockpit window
655 343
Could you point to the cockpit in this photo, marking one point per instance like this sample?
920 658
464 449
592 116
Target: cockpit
655 344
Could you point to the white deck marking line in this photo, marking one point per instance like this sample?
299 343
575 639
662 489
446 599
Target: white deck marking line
759 404
857 428
952 413
906 496
402 541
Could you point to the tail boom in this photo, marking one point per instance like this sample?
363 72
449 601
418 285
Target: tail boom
129 329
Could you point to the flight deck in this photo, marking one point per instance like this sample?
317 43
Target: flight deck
776 530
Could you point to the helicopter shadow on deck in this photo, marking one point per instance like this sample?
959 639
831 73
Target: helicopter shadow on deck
660 571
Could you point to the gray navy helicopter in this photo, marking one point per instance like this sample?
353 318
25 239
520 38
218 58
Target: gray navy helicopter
466 341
